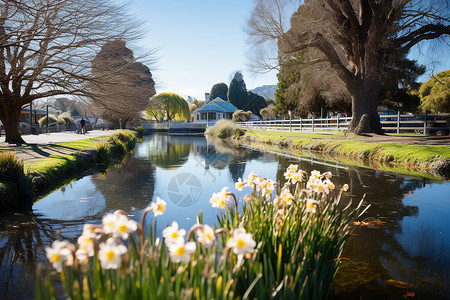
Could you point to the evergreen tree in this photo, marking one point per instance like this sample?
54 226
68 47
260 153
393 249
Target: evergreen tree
286 100
219 90
256 103
237 92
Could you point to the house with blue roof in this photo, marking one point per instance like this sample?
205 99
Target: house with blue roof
214 110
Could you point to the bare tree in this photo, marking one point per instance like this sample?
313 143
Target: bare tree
123 86
304 84
46 48
360 40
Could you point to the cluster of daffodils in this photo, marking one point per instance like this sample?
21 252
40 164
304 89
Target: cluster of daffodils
179 250
239 242
320 183
221 199
294 175
298 187
105 240
261 185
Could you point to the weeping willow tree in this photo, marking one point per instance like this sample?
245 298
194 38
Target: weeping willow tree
168 106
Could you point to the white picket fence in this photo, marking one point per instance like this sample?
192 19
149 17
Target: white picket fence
407 123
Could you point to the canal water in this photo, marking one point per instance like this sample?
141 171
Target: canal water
406 257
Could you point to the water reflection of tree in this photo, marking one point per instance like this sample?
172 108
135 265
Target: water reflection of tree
23 239
375 255
168 151
128 186
220 154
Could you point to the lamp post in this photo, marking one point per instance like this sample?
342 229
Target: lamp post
46 124
31 116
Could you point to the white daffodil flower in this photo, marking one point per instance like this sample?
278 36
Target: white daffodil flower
171 233
296 177
252 177
87 242
239 185
288 175
125 227
220 200
158 207
111 253
181 251
241 242
311 205
109 223
284 198
315 174
59 254
205 235
82 256
292 168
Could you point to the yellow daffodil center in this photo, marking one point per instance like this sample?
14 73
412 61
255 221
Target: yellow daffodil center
240 243
110 255
54 257
161 208
123 228
180 251
174 235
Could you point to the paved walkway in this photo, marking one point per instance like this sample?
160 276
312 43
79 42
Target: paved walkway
41 146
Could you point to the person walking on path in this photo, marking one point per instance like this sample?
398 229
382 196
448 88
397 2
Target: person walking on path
83 126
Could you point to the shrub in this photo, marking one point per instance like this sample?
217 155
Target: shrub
104 153
139 132
224 129
241 116
51 119
66 118
280 242
126 138
16 191
118 148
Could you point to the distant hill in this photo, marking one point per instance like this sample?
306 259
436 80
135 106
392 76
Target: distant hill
266 91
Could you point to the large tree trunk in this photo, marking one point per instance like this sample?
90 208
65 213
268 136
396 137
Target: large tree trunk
365 94
10 119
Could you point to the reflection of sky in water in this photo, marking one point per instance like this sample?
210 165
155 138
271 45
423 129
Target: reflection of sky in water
420 255
76 201
430 229
427 235
212 180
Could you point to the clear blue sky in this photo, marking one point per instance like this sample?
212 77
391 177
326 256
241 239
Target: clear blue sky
202 42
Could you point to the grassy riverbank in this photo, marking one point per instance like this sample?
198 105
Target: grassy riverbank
419 160
49 166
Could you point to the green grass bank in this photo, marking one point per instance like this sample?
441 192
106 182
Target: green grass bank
424 160
62 162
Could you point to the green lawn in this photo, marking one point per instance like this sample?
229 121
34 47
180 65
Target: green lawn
351 150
